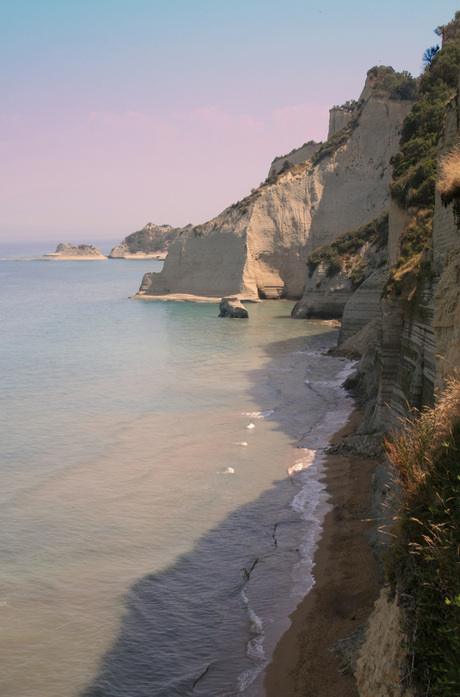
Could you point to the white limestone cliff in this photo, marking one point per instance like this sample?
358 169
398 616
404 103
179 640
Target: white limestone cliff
257 247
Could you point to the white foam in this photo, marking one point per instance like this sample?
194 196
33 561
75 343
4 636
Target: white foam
304 462
254 648
242 443
259 414
229 470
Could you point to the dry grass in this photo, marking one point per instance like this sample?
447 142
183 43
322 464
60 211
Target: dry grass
448 183
415 450
423 563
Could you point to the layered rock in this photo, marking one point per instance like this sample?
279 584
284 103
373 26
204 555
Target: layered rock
325 296
70 251
152 242
446 262
363 307
257 247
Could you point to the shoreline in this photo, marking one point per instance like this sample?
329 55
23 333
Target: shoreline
55 256
347 583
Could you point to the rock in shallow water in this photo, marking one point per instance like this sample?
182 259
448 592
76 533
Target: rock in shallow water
232 307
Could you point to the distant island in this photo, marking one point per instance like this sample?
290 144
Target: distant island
152 242
70 251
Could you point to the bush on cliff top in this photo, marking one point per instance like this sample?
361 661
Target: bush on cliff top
423 563
386 82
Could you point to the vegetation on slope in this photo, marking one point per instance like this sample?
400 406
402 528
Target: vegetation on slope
414 171
345 253
424 562
413 243
415 163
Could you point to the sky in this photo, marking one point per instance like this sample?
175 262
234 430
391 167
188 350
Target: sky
115 113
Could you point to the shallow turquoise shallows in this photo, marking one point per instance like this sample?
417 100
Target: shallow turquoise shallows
160 483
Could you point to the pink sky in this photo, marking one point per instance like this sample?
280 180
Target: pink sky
117 113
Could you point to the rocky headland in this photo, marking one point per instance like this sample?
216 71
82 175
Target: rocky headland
70 251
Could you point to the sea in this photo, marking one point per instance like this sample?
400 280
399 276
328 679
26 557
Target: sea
161 481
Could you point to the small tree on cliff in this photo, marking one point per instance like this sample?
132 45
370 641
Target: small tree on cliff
429 55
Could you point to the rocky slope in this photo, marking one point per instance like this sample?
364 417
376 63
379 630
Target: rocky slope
257 247
153 241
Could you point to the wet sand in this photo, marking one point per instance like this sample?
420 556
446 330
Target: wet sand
347 583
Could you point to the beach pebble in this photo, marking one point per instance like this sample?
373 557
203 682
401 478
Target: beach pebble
251 425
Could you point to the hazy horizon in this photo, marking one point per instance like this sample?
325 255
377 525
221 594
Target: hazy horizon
120 113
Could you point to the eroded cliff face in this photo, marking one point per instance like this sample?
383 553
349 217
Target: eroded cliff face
419 335
257 248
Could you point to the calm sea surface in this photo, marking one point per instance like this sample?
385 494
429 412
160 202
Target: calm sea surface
160 482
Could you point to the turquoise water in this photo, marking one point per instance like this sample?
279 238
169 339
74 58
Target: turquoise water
155 530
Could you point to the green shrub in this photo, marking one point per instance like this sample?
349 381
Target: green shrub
357 273
386 82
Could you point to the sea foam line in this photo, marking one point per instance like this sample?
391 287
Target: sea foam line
254 648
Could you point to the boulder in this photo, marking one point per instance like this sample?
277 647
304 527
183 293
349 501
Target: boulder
232 307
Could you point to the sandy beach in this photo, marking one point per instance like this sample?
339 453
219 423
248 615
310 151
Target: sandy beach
346 587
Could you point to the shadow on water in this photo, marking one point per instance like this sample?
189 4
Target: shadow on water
186 629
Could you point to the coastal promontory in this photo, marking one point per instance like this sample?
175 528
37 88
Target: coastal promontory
152 242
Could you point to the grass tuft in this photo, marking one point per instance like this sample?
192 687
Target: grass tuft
449 180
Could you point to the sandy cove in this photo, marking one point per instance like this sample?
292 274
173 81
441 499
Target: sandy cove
347 583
